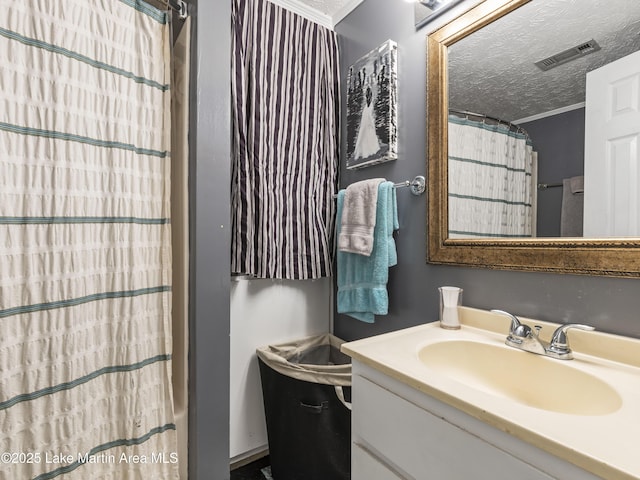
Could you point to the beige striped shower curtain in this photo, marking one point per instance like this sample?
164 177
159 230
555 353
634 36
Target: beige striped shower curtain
491 184
85 249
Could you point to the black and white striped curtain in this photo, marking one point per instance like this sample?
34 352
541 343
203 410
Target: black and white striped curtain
285 109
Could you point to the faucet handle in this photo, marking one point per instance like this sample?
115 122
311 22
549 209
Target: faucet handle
559 345
518 331
515 322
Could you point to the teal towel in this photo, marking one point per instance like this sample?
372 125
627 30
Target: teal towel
362 280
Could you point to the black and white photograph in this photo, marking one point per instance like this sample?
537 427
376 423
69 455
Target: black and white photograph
371 108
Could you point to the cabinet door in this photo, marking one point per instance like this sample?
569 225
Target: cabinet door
425 447
365 465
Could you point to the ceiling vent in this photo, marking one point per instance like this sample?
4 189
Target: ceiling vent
568 55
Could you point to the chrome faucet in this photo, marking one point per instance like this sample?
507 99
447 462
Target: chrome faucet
523 337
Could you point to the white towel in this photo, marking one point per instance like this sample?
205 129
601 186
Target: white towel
359 217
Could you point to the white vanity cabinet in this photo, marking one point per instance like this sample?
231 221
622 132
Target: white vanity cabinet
399 432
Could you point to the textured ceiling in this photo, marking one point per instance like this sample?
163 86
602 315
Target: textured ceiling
328 7
492 71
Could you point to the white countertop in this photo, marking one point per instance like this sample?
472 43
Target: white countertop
605 445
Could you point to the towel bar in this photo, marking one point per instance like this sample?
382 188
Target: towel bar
418 185
544 186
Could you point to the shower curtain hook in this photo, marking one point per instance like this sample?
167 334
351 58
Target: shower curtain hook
180 6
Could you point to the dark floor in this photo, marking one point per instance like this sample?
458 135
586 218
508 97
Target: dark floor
258 470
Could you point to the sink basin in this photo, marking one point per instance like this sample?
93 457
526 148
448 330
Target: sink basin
524 377
546 403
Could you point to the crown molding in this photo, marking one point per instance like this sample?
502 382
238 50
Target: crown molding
306 12
550 113
315 15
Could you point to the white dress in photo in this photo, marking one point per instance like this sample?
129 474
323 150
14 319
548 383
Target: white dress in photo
367 142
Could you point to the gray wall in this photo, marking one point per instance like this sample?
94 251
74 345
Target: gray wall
559 141
609 304
209 205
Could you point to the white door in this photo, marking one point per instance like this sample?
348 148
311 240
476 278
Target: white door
612 150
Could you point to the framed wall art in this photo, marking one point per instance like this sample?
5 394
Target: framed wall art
371 108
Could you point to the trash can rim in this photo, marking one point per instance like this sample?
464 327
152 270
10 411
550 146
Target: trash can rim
278 356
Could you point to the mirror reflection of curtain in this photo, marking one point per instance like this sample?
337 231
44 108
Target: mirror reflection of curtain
490 180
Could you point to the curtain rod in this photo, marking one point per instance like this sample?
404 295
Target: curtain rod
467 114
418 185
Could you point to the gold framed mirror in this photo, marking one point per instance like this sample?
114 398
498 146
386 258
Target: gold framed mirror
615 256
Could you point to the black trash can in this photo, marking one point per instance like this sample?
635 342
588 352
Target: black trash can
306 387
